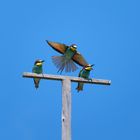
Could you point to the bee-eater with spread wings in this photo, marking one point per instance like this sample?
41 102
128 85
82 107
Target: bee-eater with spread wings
68 57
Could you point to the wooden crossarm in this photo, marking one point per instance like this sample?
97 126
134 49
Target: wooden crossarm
62 77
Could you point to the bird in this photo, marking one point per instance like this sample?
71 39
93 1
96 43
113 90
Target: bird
84 73
68 57
37 68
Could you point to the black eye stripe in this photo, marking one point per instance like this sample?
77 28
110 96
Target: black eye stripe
38 61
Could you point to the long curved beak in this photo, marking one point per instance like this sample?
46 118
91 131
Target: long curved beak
92 65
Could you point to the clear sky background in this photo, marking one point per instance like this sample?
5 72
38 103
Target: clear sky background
107 33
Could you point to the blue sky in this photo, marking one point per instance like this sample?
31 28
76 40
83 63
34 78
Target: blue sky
107 34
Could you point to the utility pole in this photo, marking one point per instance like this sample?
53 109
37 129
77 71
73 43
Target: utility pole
66 96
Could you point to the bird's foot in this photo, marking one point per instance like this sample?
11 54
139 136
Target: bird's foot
42 74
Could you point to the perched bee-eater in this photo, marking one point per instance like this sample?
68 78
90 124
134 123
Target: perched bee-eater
37 68
84 73
69 56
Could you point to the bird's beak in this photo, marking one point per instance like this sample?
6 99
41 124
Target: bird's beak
92 66
43 61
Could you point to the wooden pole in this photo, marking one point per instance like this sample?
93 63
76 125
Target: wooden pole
66 96
66 109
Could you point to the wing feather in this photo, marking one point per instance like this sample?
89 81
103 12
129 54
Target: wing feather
61 48
79 59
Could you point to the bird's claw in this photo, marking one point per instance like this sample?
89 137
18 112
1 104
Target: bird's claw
42 74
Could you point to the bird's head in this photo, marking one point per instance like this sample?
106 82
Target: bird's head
39 62
89 67
73 47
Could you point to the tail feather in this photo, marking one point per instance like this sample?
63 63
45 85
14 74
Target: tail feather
62 63
61 68
36 82
80 87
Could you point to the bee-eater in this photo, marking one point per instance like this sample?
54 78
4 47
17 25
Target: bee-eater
37 68
69 56
84 73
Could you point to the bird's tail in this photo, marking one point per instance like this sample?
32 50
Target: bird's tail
80 87
62 63
36 82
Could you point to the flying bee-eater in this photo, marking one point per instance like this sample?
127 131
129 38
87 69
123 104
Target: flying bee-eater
69 56
84 73
37 68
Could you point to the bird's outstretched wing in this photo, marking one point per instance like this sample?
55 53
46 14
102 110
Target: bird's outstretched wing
79 59
61 48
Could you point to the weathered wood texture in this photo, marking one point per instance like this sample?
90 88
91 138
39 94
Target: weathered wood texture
66 109
60 77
